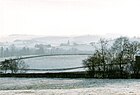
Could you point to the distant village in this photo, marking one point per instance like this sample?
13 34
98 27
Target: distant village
22 48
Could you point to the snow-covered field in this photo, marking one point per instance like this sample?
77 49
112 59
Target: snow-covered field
59 86
56 62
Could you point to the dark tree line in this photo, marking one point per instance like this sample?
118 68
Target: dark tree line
115 60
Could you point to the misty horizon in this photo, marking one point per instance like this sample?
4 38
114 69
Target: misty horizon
12 37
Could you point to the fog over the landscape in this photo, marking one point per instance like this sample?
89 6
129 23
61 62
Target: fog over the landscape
69 47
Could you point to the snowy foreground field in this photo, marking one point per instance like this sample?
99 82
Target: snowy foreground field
48 86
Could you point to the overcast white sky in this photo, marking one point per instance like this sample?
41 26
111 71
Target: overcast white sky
70 17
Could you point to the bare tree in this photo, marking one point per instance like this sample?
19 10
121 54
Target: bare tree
4 65
103 50
120 49
99 58
92 62
13 65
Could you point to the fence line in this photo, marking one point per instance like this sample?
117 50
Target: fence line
35 56
61 69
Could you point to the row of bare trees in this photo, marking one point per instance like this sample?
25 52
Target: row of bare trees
114 57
